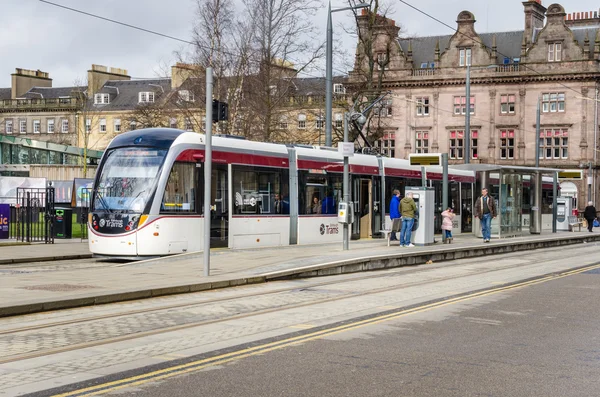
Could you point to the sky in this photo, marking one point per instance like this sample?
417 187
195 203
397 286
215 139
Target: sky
65 44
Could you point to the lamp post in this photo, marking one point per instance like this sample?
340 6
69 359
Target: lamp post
467 153
329 69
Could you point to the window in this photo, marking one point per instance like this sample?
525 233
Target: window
117 125
180 192
320 123
553 102
422 142
507 144
186 96
258 190
457 144
101 99
22 126
9 126
146 97
65 126
102 125
37 126
188 124
132 125
554 143
173 123
319 194
88 125
283 123
301 121
339 89
50 126
465 57
507 104
460 105
339 121
554 52
423 106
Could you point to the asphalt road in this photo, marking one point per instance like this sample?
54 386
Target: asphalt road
537 340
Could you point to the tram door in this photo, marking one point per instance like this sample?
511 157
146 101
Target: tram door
363 202
219 213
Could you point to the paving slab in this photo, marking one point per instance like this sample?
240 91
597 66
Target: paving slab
12 252
27 290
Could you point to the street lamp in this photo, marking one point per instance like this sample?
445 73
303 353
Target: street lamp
329 67
467 153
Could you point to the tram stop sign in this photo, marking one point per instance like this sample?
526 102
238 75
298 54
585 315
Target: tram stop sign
346 149
424 159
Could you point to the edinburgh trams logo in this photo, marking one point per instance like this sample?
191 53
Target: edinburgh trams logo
332 228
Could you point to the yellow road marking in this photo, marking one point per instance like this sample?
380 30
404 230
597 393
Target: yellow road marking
302 326
244 353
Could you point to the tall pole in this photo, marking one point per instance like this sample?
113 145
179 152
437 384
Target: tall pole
595 146
590 181
444 186
537 134
467 153
328 79
554 194
346 185
208 170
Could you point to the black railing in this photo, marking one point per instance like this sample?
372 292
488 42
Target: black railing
32 218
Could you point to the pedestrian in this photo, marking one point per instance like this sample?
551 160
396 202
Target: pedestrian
447 218
395 214
315 208
408 209
485 210
590 215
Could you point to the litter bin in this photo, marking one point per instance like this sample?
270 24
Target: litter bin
63 223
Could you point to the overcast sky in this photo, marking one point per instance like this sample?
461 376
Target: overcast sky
36 35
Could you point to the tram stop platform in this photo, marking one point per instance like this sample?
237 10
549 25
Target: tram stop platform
62 283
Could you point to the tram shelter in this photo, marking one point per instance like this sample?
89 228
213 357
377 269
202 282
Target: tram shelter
517 190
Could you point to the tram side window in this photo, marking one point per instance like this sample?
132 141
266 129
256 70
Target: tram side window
392 184
259 190
180 192
319 193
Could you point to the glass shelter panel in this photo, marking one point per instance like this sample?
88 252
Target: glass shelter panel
511 204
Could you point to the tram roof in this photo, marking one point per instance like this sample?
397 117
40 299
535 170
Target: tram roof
503 168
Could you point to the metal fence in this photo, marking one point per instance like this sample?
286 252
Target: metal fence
34 215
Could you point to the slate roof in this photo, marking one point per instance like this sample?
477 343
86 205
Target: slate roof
50 92
314 85
507 44
5 93
128 91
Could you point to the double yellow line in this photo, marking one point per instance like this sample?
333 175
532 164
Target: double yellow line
252 351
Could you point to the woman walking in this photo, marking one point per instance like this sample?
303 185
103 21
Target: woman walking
590 215
447 218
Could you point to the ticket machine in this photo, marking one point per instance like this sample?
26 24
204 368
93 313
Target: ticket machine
424 221
563 210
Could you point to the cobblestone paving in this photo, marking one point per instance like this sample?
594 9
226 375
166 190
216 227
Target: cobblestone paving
408 286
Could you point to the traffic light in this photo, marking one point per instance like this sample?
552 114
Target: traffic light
220 111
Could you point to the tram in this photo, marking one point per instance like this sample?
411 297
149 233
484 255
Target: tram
148 194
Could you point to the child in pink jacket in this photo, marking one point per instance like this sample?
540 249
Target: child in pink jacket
447 217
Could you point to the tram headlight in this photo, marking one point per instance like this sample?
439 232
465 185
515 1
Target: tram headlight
143 219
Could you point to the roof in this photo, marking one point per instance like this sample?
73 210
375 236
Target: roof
124 94
314 85
50 92
5 93
508 44
504 168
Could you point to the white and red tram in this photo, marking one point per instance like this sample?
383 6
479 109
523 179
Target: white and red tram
148 194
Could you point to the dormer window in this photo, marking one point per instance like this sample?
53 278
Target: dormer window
554 52
101 99
382 61
339 89
465 57
146 97
186 96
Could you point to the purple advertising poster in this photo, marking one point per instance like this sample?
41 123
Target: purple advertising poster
4 220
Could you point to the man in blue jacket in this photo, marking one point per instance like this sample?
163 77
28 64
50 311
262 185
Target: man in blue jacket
394 212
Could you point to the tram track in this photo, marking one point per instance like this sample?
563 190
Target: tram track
178 327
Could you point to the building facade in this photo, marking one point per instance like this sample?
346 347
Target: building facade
553 61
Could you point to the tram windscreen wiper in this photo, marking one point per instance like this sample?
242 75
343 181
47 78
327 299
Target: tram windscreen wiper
102 201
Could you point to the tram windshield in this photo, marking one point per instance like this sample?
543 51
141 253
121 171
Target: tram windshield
127 178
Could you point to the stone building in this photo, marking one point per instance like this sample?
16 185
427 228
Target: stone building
553 60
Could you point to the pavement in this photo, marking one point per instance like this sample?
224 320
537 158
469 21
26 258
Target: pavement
38 287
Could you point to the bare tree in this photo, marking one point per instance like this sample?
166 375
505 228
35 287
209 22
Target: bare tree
377 52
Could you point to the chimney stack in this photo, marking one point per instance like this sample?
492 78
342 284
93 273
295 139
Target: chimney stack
22 80
535 14
98 75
